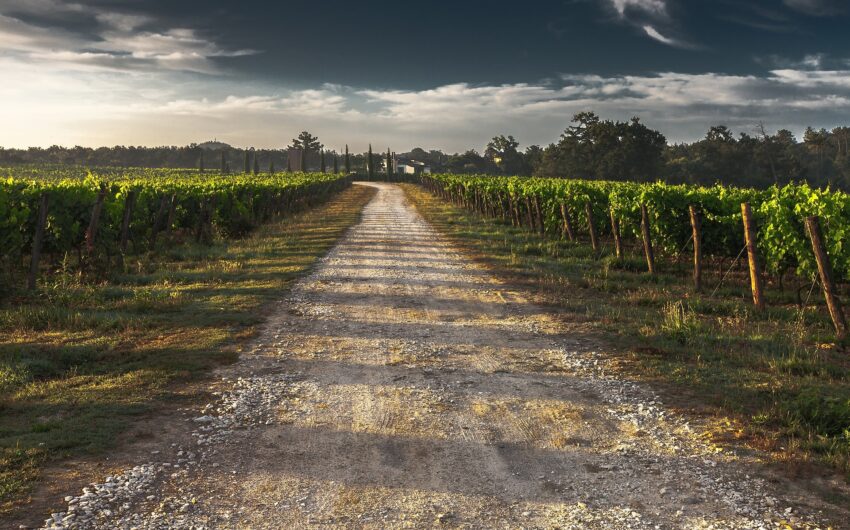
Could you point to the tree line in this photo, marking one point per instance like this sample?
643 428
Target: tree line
589 148
597 149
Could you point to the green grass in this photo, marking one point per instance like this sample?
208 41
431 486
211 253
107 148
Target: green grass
775 380
80 360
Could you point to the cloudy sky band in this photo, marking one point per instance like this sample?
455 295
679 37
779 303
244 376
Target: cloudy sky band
115 75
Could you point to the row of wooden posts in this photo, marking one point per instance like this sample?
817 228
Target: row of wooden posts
162 221
533 209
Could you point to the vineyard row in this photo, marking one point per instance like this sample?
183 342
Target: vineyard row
93 219
792 228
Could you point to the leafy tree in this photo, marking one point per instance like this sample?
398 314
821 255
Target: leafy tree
532 159
322 161
720 134
347 161
470 162
816 141
841 136
502 151
307 141
256 165
308 144
640 152
789 165
593 148
271 167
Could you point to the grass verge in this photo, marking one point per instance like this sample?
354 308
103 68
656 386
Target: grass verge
767 379
78 361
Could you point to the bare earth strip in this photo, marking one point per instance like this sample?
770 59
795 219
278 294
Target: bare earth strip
401 385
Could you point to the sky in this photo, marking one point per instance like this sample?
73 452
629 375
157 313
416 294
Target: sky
438 75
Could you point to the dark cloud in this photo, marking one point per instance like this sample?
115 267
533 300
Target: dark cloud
384 43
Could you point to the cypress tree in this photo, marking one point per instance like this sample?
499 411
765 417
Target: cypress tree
256 165
201 163
322 160
389 165
370 166
336 164
223 162
247 167
271 167
288 165
304 159
347 161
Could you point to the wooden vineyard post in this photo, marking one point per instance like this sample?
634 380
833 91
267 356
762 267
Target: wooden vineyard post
200 228
203 232
159 219
830 292
91 232
752 256
647 239
568 225
124 236
696 225
541 224
529 214
591 226
37 241
505 209
513 209
517 218
169 219
615 229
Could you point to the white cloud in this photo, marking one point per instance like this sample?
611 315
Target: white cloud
309 102
18 36
122 21
90 98
647 16
174 49
655 34
119 43
835 79
658 7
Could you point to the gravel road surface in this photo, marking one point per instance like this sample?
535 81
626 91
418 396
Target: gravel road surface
401 385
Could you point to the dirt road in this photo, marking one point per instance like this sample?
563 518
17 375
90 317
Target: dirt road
401 385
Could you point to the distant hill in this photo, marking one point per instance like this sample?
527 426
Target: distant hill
214 145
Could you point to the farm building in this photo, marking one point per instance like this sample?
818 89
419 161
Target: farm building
409 167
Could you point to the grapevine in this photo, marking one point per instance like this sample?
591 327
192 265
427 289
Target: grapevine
780 212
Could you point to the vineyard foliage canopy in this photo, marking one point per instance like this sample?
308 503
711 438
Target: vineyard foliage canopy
780 211
162 199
